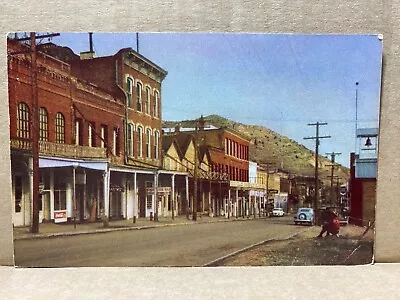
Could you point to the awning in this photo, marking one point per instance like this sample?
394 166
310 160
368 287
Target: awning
59 163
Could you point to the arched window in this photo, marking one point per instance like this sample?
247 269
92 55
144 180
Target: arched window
43 125
156 142
139 96
148 100
140 141
60 128
130 139
129 90
23 121
156 100
148 144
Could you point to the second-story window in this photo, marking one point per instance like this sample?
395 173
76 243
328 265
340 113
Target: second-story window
115 149
23 121
129 90
60 128
130 139
156 103
78 132
103 135
91 135
148 100
140 141
139 96
43 125
156 138
148 144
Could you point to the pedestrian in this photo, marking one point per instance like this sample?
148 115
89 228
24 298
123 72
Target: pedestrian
330 223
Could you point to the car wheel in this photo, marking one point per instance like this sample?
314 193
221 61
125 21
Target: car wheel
302 216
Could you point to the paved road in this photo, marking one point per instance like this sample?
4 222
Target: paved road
186 245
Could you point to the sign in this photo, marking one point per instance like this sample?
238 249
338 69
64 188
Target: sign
116 188
272 191
162 190
60 216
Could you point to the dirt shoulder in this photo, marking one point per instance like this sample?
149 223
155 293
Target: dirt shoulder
304 249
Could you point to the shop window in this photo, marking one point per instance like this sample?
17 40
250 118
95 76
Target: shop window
18 193
60 193
60 128
149 201
43 124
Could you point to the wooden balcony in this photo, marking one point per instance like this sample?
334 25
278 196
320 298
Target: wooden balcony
55 149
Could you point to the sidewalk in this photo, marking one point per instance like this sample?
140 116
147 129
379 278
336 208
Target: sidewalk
47 230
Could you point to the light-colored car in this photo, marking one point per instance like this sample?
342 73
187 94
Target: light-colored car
278 212
304 215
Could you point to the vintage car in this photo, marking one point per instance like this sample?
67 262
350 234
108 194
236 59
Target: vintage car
278 212
304 215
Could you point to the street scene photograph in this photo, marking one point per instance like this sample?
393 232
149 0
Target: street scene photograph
193 149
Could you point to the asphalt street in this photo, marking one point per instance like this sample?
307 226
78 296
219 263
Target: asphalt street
184 245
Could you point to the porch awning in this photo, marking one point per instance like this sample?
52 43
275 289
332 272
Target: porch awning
59 163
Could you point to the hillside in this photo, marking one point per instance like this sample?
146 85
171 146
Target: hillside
267 146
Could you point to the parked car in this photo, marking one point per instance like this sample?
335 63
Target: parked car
304 215
278 212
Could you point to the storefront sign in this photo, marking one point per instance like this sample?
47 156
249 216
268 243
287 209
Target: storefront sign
116 188
162 190
60 216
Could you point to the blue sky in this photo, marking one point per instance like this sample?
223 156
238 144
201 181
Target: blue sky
279 81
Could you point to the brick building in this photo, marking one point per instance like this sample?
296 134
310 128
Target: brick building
99 133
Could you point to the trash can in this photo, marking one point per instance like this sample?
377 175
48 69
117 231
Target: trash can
151 216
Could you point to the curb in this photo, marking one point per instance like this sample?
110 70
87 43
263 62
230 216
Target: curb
215 262
105 230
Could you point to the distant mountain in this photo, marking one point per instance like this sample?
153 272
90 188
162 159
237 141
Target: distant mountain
267 146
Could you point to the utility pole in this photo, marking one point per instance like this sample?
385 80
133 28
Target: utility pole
355 143
35 126
194 208
317 137
333 165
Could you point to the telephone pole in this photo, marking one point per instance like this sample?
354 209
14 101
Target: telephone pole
35 126
333 165
267 164
317 137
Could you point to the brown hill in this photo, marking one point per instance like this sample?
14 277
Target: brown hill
267 146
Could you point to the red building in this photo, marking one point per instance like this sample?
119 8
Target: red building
99 133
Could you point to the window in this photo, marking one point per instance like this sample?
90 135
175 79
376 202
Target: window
156 138
103 135
91 135
43 125
60 193
129 90
148 100
23 121
139 96
130 140
115 149
156 100
78 132
60 128
140 141
148 144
